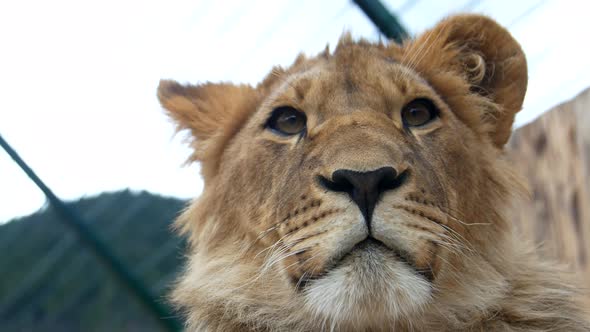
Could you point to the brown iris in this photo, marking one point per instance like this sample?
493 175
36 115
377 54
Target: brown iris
286 120
418 113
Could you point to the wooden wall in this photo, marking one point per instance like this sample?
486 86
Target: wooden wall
553 154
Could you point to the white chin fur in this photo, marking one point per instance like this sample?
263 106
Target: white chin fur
369 285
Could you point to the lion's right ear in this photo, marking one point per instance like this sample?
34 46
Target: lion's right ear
211 112
489 63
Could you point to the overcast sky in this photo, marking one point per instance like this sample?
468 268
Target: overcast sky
78 78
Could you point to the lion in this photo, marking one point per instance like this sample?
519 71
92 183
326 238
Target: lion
366 189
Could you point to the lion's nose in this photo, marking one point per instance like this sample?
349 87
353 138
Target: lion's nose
364 188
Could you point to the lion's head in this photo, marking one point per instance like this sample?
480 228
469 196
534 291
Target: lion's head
358 189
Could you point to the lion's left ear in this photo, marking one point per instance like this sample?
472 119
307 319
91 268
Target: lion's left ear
488 60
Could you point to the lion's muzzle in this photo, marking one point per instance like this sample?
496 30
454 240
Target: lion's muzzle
364 188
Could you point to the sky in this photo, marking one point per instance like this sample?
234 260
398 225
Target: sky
78 78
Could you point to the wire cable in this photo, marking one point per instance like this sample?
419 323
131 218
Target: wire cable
383 19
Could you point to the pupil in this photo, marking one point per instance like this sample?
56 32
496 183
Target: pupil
290 122
417 113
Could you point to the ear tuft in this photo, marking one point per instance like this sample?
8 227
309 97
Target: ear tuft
475 68
169 88
174 97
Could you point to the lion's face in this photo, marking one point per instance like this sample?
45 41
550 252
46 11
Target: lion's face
365 182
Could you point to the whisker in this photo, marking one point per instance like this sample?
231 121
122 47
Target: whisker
261 236
285 247
452 246
301 263
433 220
465 223
458 237
303 275
424 53
410 63
280 240
282 258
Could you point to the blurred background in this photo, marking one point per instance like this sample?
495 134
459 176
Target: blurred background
78 103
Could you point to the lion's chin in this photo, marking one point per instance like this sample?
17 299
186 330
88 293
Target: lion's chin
369 283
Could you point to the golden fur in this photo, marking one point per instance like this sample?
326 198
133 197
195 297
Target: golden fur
272 250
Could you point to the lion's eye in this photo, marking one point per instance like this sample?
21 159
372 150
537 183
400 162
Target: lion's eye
286 120
418 113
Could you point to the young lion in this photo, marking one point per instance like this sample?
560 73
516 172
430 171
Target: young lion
365 189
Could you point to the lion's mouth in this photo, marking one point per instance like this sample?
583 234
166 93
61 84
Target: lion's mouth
365 249
372 244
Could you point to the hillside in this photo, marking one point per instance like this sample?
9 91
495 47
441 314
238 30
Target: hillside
50 282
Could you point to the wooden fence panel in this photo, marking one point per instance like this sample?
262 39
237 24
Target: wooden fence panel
553 154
